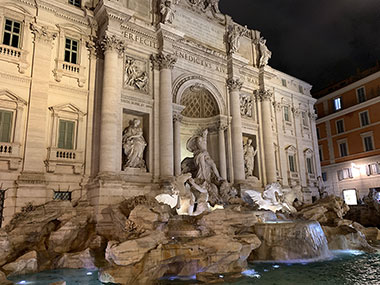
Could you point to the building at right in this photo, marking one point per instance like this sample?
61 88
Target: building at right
348 130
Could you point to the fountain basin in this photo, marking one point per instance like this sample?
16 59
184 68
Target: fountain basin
290 240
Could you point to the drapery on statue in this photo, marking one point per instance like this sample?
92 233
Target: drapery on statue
265 53
206 167
249 158
167 10
134 145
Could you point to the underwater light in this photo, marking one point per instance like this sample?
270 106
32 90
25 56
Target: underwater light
251 273
221 276
276 266
89 273
22 282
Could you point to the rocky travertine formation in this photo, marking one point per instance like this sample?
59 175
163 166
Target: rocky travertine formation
331 212
146 240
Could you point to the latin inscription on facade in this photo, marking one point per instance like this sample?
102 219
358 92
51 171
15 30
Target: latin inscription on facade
199 61
141 40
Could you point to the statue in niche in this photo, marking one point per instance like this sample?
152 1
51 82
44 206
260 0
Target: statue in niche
249 158
235 32
134 77
134 145
206 167
167 10
265 53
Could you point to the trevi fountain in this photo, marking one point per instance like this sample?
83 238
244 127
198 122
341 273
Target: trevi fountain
203 167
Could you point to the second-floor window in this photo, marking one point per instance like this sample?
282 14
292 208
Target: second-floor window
75 2
360 92
66 134
286 114
337 104
292 163
12 33
309 164
71 51
284 83
343 149
340 126
368 143
318 134
364 118
5 126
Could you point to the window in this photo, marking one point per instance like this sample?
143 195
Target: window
368 143
350 197
324 176
286 114
71 51
364 118
340 126
300 88
309 164
343 149
66 134
5 125
284 83
304 119
360 93
373 169
337 104
345 173
75 2
318 134
12 33
62 196
292 163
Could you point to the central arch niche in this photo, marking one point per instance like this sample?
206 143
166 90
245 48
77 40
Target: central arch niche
199 103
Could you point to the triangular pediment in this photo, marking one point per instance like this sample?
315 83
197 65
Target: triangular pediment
70 108
9 96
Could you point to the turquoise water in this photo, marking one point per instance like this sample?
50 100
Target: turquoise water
347 268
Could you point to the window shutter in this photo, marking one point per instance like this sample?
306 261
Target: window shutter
5 126
340 175
61 135
69 135
368 170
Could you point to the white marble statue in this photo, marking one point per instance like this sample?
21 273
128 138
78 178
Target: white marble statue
206 167
249 158
265 53
213 4
273 199
167 10
134 145
201 197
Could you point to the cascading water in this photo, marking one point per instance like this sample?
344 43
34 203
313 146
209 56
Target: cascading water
290 241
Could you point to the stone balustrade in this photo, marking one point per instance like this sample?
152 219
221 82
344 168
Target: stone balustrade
14 55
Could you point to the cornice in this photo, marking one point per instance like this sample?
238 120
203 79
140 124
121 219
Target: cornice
74 15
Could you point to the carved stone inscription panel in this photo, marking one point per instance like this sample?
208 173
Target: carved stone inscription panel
199 29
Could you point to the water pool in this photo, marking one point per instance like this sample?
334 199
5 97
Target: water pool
346 268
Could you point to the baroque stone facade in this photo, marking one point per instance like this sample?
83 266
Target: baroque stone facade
100 100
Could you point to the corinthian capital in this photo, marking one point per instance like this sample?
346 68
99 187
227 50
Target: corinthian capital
112 43
43 33
234 84
163 61
263 95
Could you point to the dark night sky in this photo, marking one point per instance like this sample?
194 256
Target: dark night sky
318 41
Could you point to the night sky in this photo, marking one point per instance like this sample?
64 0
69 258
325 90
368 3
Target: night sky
319 41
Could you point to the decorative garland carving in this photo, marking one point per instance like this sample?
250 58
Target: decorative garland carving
43 33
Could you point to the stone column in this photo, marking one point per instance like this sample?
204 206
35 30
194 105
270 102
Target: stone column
112 47
266 124
234 87
166 62
222 152
177 144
